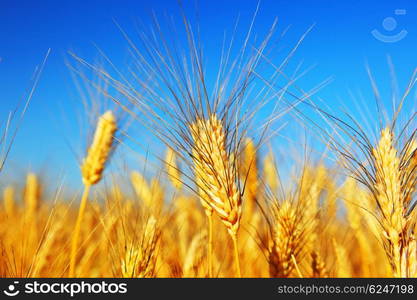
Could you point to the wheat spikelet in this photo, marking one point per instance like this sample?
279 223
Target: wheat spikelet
409 259
157 196
195 255
326 184
142 188
184 211
99 150
32 193
200 182
140 260
343 266
249 174
116 194
353 209
8 200
151 194
318 266
357 214
45 254
409 173
290 239
270 172
284 242
129 262
311 186
172 169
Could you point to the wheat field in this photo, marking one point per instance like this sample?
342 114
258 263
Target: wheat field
219 204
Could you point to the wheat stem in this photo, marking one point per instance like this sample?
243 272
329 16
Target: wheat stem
294 260
236 254
76 236
210 246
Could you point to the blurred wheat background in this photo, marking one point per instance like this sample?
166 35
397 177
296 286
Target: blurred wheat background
181 174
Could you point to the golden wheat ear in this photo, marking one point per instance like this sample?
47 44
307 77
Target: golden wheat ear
391 192
217 173
100 149
216 176
92 171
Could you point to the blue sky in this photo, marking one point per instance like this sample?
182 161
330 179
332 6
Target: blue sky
339 46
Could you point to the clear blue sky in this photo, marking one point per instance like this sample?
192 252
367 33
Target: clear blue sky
339 46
